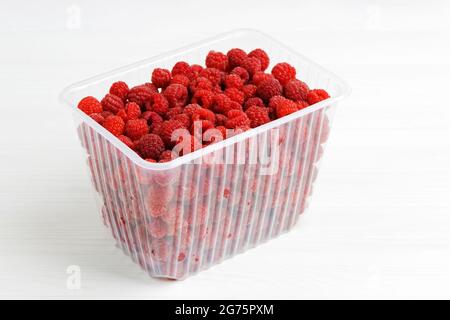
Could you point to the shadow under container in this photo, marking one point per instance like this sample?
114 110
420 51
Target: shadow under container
179 217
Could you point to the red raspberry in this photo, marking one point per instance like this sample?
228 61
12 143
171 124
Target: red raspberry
151 160
252 65
141 94
166 156
221 119
119 89
203 114
153 119
112 103
285 107
183 118
166 130
260 76
157 229
237 120
254 101
133 110
200 83
195 70
283 72
114 124
249 90
317 95
97 117
223 131
221 103
235 95
296 90
236 57
150 146
269 88
180 79
190 109
257 115
181 67
135 129
216 60
233 81
173 112
204 98
176 94
161 77
275 101
128 142
106 114
242 73
302 104
158 103
151 86
262 56
212 74
90 105
123 114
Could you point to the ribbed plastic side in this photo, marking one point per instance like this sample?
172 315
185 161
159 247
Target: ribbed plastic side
177 222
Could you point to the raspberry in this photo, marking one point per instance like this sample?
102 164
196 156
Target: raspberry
275 101
181 67
302 104
204 98
316 95
106 114
285 107
296 90
269 88
166 156
157 229
166 130
123 114
90 105
233 81
150 146
252 65
127 141
283 72
221 103
190 109
236 57
221 119
212 74
216 60
97 117
180 79
257 115
133 110
249 90
114 124
112 103
237 119
176 94
200 83
173 112
222 130
141 94
119 89
195 70
183 118
254 101
151 160
242 73
260 76
153 119
161 77
203 114
235 95
262 56
158 103
135 129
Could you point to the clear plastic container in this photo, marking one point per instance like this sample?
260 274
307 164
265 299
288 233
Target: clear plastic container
177 218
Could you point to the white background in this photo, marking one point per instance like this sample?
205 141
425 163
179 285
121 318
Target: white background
379 223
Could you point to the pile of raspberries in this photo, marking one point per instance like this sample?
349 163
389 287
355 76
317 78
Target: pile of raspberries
232 94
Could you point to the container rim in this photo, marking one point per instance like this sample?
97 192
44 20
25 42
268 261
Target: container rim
343 91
